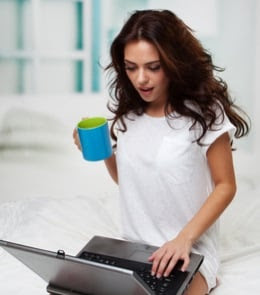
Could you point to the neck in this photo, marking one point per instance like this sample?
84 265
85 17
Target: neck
155 111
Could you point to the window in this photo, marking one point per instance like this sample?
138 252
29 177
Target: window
57 46
49 46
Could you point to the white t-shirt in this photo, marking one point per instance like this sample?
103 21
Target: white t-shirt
164 179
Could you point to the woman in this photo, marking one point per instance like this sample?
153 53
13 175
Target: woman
173 126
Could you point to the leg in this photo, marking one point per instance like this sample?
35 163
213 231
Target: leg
198 286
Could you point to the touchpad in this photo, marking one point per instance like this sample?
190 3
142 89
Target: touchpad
139 255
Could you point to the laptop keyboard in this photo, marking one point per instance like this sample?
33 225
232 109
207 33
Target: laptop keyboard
163 286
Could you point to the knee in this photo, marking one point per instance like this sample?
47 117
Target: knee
198 286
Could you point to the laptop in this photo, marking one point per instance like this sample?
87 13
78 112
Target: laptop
105 266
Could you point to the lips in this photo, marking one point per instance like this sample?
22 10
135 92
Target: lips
146 91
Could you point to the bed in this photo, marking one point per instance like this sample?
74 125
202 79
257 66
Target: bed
51 198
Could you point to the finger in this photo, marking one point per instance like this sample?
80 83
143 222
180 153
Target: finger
154 254
75 132
78 144
75 135
163 265
76 139
186 262
170 266
151 258
156 261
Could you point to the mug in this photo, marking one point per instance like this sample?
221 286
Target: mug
94 139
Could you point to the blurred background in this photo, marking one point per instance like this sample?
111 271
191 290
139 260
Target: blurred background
52 55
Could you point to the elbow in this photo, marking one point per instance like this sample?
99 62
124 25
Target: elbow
231 190
234 190
227 191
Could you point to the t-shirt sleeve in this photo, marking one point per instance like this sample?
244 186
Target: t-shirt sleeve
221 126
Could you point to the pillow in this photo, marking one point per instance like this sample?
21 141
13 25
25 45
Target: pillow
24 129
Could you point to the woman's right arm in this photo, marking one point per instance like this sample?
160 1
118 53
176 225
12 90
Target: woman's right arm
112 167
110 162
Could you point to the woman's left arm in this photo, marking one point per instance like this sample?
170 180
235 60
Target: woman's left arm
220 161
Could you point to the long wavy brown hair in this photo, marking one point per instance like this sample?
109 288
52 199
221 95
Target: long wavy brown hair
194 90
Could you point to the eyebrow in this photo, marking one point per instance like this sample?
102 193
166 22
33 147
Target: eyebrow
148 63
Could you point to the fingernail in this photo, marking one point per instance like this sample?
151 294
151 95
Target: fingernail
153 273
158 276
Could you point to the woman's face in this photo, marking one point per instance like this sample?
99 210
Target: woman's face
144 70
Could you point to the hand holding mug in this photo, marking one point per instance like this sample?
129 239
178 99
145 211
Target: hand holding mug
76 138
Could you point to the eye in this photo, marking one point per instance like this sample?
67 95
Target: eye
155 68
130 68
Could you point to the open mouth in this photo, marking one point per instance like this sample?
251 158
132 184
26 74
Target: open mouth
146 91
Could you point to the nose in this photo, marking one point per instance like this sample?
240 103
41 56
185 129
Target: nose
142 77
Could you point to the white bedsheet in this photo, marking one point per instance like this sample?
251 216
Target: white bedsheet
52 224
55 223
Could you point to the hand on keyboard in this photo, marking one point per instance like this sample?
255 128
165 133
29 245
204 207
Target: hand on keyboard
166 257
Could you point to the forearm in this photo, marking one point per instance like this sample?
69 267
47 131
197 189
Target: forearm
112 167
211 210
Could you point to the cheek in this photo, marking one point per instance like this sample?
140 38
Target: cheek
164 82
160 78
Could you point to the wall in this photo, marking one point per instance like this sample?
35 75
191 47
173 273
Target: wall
232 35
